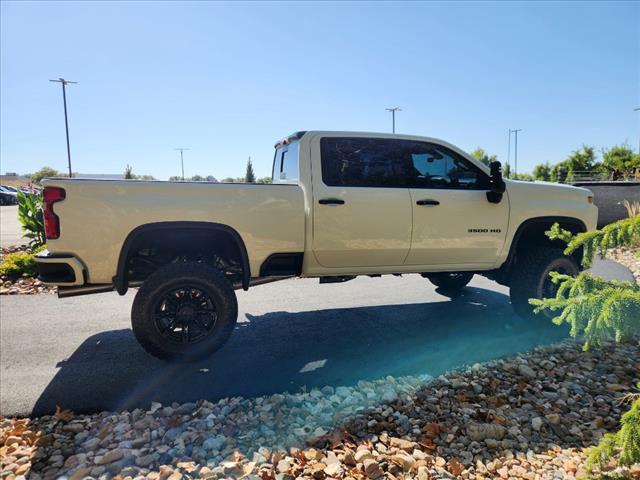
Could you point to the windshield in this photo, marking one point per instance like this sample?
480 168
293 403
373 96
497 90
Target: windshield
285 164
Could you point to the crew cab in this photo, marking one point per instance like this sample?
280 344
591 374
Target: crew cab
341 204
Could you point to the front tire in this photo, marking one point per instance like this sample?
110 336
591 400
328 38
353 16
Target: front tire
184 311
530 278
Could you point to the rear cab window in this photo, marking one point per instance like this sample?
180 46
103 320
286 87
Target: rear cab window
285 164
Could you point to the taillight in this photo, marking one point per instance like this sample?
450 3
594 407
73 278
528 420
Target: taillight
51 195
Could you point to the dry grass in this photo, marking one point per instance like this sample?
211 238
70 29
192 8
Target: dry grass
633 207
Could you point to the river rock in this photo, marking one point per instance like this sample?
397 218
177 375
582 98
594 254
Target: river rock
402 444
536 423
481 431
404 460
110 457
372 469
526 370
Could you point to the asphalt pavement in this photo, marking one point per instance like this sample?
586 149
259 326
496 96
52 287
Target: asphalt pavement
80 353
10 233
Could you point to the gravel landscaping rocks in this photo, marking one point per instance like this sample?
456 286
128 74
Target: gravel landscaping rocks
495 420
28 286
627 257
14 286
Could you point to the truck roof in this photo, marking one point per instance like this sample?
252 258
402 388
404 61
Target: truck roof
298 135
290 138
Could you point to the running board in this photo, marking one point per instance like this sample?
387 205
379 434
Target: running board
254 282
64 292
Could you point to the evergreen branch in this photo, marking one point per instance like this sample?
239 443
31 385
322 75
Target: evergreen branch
614 235
625 441
594 308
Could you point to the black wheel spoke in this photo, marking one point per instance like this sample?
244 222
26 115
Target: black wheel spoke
171 303
185 315
185 334
168 329
202 321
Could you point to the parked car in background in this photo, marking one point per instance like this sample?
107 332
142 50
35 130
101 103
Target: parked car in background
8 196
30 189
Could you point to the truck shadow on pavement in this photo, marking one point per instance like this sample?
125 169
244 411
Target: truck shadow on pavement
285 351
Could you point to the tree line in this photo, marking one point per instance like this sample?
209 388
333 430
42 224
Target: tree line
249 177
617 163
48 172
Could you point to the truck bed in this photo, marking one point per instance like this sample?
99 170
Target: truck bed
96 217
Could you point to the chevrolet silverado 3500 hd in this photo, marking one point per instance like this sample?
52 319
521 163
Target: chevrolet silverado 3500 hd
341 204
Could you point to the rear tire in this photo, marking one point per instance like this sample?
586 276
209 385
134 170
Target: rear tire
530 278
450 282
184 311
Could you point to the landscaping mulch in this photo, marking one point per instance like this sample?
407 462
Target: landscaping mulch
529 416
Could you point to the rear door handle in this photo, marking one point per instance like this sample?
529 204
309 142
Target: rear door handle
331 201
428 202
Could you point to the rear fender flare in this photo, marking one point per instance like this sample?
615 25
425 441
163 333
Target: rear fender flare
120 281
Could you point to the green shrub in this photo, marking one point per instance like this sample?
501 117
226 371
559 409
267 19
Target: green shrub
21 264
31 218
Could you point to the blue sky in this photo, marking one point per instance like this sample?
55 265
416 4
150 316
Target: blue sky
227 80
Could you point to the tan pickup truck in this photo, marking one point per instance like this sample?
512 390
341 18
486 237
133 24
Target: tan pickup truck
341 204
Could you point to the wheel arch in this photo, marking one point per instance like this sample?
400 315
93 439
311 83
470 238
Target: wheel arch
120 280
530 230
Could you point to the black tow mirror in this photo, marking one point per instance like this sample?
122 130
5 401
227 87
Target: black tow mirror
494 195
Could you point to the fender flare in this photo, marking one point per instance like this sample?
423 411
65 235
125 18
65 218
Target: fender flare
120 281
564 221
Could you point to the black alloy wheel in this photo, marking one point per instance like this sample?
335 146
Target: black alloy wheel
185 315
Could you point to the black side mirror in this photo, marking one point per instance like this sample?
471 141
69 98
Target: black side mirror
496 182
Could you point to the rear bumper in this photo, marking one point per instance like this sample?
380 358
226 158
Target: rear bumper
61 270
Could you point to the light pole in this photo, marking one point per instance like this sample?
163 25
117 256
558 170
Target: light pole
515 166
509 148
181 150
393 116
637 109
66 121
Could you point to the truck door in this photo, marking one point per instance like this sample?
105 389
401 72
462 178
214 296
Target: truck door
361 205
453 223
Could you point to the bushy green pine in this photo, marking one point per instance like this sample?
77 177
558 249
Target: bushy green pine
249 176
599 310
625 441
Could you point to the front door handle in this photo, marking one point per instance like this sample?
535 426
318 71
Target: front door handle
428 202
331 201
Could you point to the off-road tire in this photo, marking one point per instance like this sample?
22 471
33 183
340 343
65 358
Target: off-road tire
206 279
450 282
530 278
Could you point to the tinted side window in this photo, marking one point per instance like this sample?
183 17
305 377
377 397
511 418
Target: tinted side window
380 162
362 162
435 166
